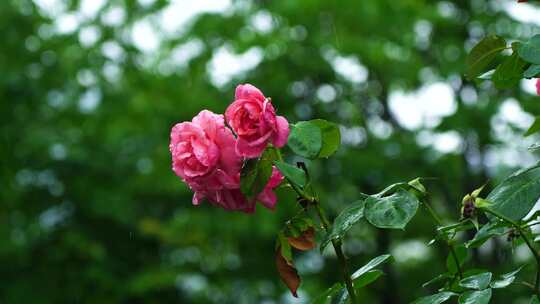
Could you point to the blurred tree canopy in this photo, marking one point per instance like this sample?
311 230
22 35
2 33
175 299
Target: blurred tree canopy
92 213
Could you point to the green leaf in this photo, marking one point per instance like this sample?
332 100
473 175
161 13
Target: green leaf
342 297
360 282
436 298
255 175
505 279
483 54
487 231
417 185
344 221
454 227
285 248
371 265
509 73
461 255
532 72
487 75
515 196
413 184
534 300
530 51
393 211
440 278
475 297
331 137
390 189
305 139
535 127
327 295
294 174
367 278
297 225
479 281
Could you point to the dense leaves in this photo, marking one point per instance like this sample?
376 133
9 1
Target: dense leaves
88 198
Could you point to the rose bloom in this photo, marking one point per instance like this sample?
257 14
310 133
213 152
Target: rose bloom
538 87
230 197
203 155
253 118
203 149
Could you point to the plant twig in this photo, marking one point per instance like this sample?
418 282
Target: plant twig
335 243
529 243
450 245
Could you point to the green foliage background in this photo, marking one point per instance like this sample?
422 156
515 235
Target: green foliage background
90 211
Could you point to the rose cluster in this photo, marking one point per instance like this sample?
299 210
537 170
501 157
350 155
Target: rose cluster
208 156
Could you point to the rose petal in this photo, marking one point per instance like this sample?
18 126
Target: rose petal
268 199
248 91
243 148
282 132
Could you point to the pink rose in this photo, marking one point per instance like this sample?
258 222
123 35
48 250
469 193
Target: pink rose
203 150
203 155
253 118
538 87
231 198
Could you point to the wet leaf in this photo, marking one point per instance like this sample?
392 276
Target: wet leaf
371 265
475 297
436 298
505 279
393 211
478 281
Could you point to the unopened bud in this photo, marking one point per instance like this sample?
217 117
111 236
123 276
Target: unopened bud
469 209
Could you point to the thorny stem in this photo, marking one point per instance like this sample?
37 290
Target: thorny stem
450 245
529 243
335 243
341 257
